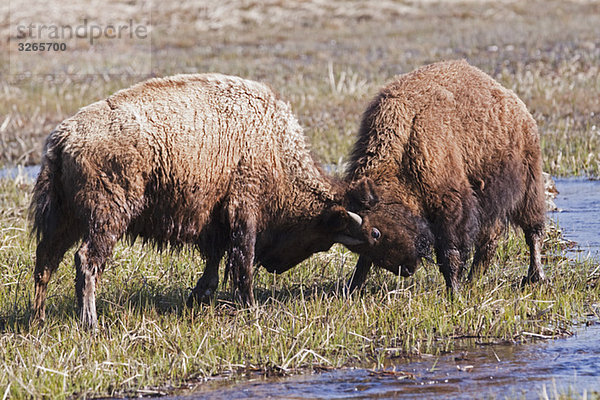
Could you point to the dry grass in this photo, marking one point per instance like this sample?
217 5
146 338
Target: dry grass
328 58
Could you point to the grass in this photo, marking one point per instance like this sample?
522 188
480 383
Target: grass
149 342
327 61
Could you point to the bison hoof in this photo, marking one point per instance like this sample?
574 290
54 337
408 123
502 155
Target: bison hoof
244 298
203 292
527 280
351 287
406 272
453 291
89 321
199 297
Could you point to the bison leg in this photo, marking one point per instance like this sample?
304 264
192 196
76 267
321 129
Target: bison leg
534 238
452 244
485 250
49 254
241 258
90 260
456 226
450 262
530 217
208 283
359 276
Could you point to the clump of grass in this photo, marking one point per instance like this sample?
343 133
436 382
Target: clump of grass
149 342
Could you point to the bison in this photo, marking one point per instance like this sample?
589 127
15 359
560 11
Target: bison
214 161
445 158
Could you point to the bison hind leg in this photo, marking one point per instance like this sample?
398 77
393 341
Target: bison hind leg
534 238
49 253
485 249
530 215
97 246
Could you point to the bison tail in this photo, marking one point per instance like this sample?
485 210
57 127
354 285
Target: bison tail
45 209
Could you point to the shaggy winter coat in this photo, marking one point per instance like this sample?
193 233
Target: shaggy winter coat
445 157
215 161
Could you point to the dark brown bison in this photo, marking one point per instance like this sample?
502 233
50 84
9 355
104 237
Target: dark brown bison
445 157
211 160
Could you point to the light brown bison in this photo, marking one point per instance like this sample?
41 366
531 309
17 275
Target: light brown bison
215 161
445 157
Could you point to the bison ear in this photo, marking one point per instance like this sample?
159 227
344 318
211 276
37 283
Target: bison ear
362 194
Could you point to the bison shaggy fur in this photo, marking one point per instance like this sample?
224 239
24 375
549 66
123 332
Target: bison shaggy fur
210 160
445 158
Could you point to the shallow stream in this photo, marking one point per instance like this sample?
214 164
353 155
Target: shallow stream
497 371
579 218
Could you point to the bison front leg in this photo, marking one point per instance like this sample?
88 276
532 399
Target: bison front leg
241 258
450 263
359 276
450 250
455 228
208 283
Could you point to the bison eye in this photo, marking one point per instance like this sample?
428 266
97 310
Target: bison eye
375 233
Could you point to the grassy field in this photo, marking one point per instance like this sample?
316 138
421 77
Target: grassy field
149 342
327 59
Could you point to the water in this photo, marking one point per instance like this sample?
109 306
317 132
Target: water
20 173
579 200
531 370
498 371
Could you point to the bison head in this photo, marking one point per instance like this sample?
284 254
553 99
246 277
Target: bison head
289 244
397 238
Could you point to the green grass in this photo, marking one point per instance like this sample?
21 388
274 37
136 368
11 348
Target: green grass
148 341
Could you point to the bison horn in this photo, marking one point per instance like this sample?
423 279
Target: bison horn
355 217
